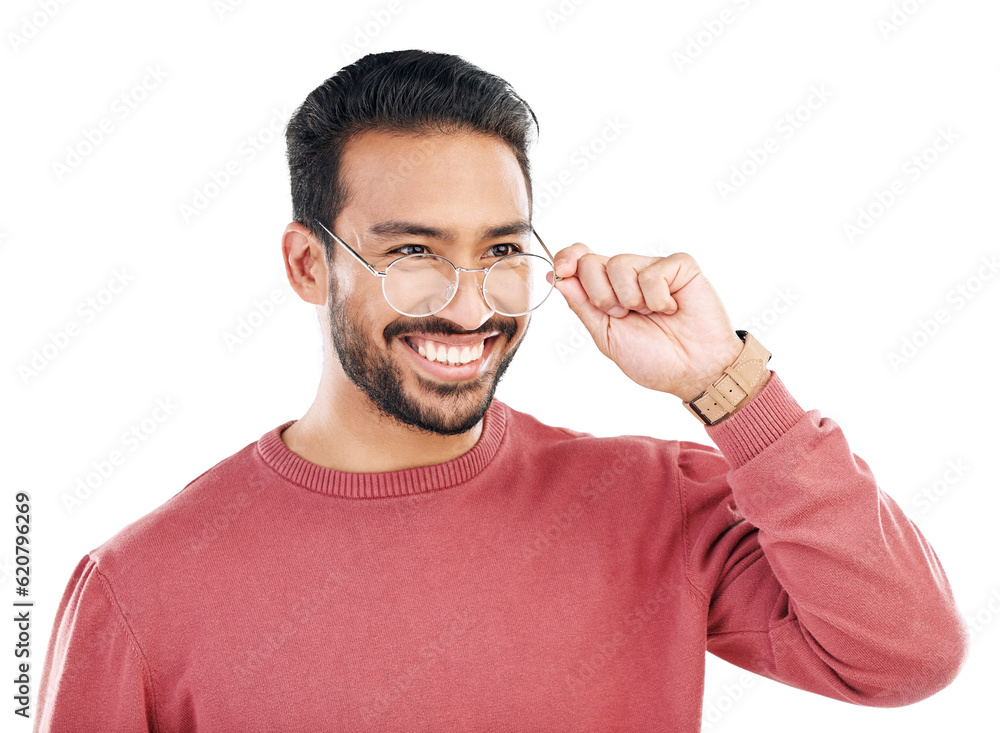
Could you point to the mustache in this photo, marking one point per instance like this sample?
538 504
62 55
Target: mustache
438 326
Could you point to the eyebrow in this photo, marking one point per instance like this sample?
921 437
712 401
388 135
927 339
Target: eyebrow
400 227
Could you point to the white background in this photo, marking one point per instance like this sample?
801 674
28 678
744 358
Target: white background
833 311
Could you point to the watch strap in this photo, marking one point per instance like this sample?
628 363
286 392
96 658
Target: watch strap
736 384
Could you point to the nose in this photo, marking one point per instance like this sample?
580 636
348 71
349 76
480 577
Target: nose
468 308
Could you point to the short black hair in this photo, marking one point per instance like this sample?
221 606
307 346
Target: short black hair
396 91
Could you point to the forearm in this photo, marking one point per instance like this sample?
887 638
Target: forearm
852 598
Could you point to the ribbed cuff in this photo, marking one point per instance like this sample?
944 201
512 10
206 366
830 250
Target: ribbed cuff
756 425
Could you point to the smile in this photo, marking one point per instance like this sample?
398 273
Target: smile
456 357
444 353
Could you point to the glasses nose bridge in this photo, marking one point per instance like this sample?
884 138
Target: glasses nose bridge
479 281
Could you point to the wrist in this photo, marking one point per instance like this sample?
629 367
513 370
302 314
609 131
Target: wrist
726 360
735 386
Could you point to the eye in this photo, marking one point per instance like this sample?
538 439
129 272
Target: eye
399 250
511 249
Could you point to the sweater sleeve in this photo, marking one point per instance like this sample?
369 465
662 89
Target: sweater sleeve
94 677
813 576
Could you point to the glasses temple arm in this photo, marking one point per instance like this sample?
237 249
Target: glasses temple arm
553 259
351 250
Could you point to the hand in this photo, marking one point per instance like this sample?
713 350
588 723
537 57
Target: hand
657 318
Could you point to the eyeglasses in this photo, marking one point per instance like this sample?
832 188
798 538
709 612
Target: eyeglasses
422 284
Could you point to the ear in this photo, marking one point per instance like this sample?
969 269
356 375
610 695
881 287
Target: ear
305 263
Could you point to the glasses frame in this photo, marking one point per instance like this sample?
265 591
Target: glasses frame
382 274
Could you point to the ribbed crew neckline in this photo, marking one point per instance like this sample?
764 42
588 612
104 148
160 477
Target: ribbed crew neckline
407 481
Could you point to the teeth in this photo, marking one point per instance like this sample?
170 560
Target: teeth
452 355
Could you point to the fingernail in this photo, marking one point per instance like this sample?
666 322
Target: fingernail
618 311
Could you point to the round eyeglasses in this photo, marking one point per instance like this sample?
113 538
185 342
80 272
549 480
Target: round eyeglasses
423 284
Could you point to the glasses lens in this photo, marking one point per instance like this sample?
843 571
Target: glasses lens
517 284
419 285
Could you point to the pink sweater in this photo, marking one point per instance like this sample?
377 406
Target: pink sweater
546 580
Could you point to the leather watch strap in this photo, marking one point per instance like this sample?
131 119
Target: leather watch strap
738 383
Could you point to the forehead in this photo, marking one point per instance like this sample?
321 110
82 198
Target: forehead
451 176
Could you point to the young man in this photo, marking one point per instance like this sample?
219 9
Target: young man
413 554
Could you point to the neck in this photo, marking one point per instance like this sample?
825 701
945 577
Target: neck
344 431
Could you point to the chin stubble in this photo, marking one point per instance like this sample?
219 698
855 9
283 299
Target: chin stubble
382 381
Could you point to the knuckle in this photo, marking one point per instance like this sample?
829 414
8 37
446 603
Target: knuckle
649 275
619 263
633 301
588 261
605 301
657 304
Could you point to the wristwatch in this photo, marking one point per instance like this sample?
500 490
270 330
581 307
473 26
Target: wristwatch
737 384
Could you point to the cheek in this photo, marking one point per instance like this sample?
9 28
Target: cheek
363 310
357 293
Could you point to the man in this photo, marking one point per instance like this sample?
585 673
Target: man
413 554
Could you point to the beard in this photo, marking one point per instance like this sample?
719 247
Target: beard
376 373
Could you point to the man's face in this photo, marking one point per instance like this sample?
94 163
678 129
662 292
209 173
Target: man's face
437 194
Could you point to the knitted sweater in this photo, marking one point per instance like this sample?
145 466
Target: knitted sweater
546 580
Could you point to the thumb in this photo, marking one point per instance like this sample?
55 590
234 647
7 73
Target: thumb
576 297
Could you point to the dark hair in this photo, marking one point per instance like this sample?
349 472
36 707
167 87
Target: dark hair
397 91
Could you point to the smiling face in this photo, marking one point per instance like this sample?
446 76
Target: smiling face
459 195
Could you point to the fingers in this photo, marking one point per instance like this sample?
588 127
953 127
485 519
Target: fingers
663 278
566 259
592 272
627 282
624 273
